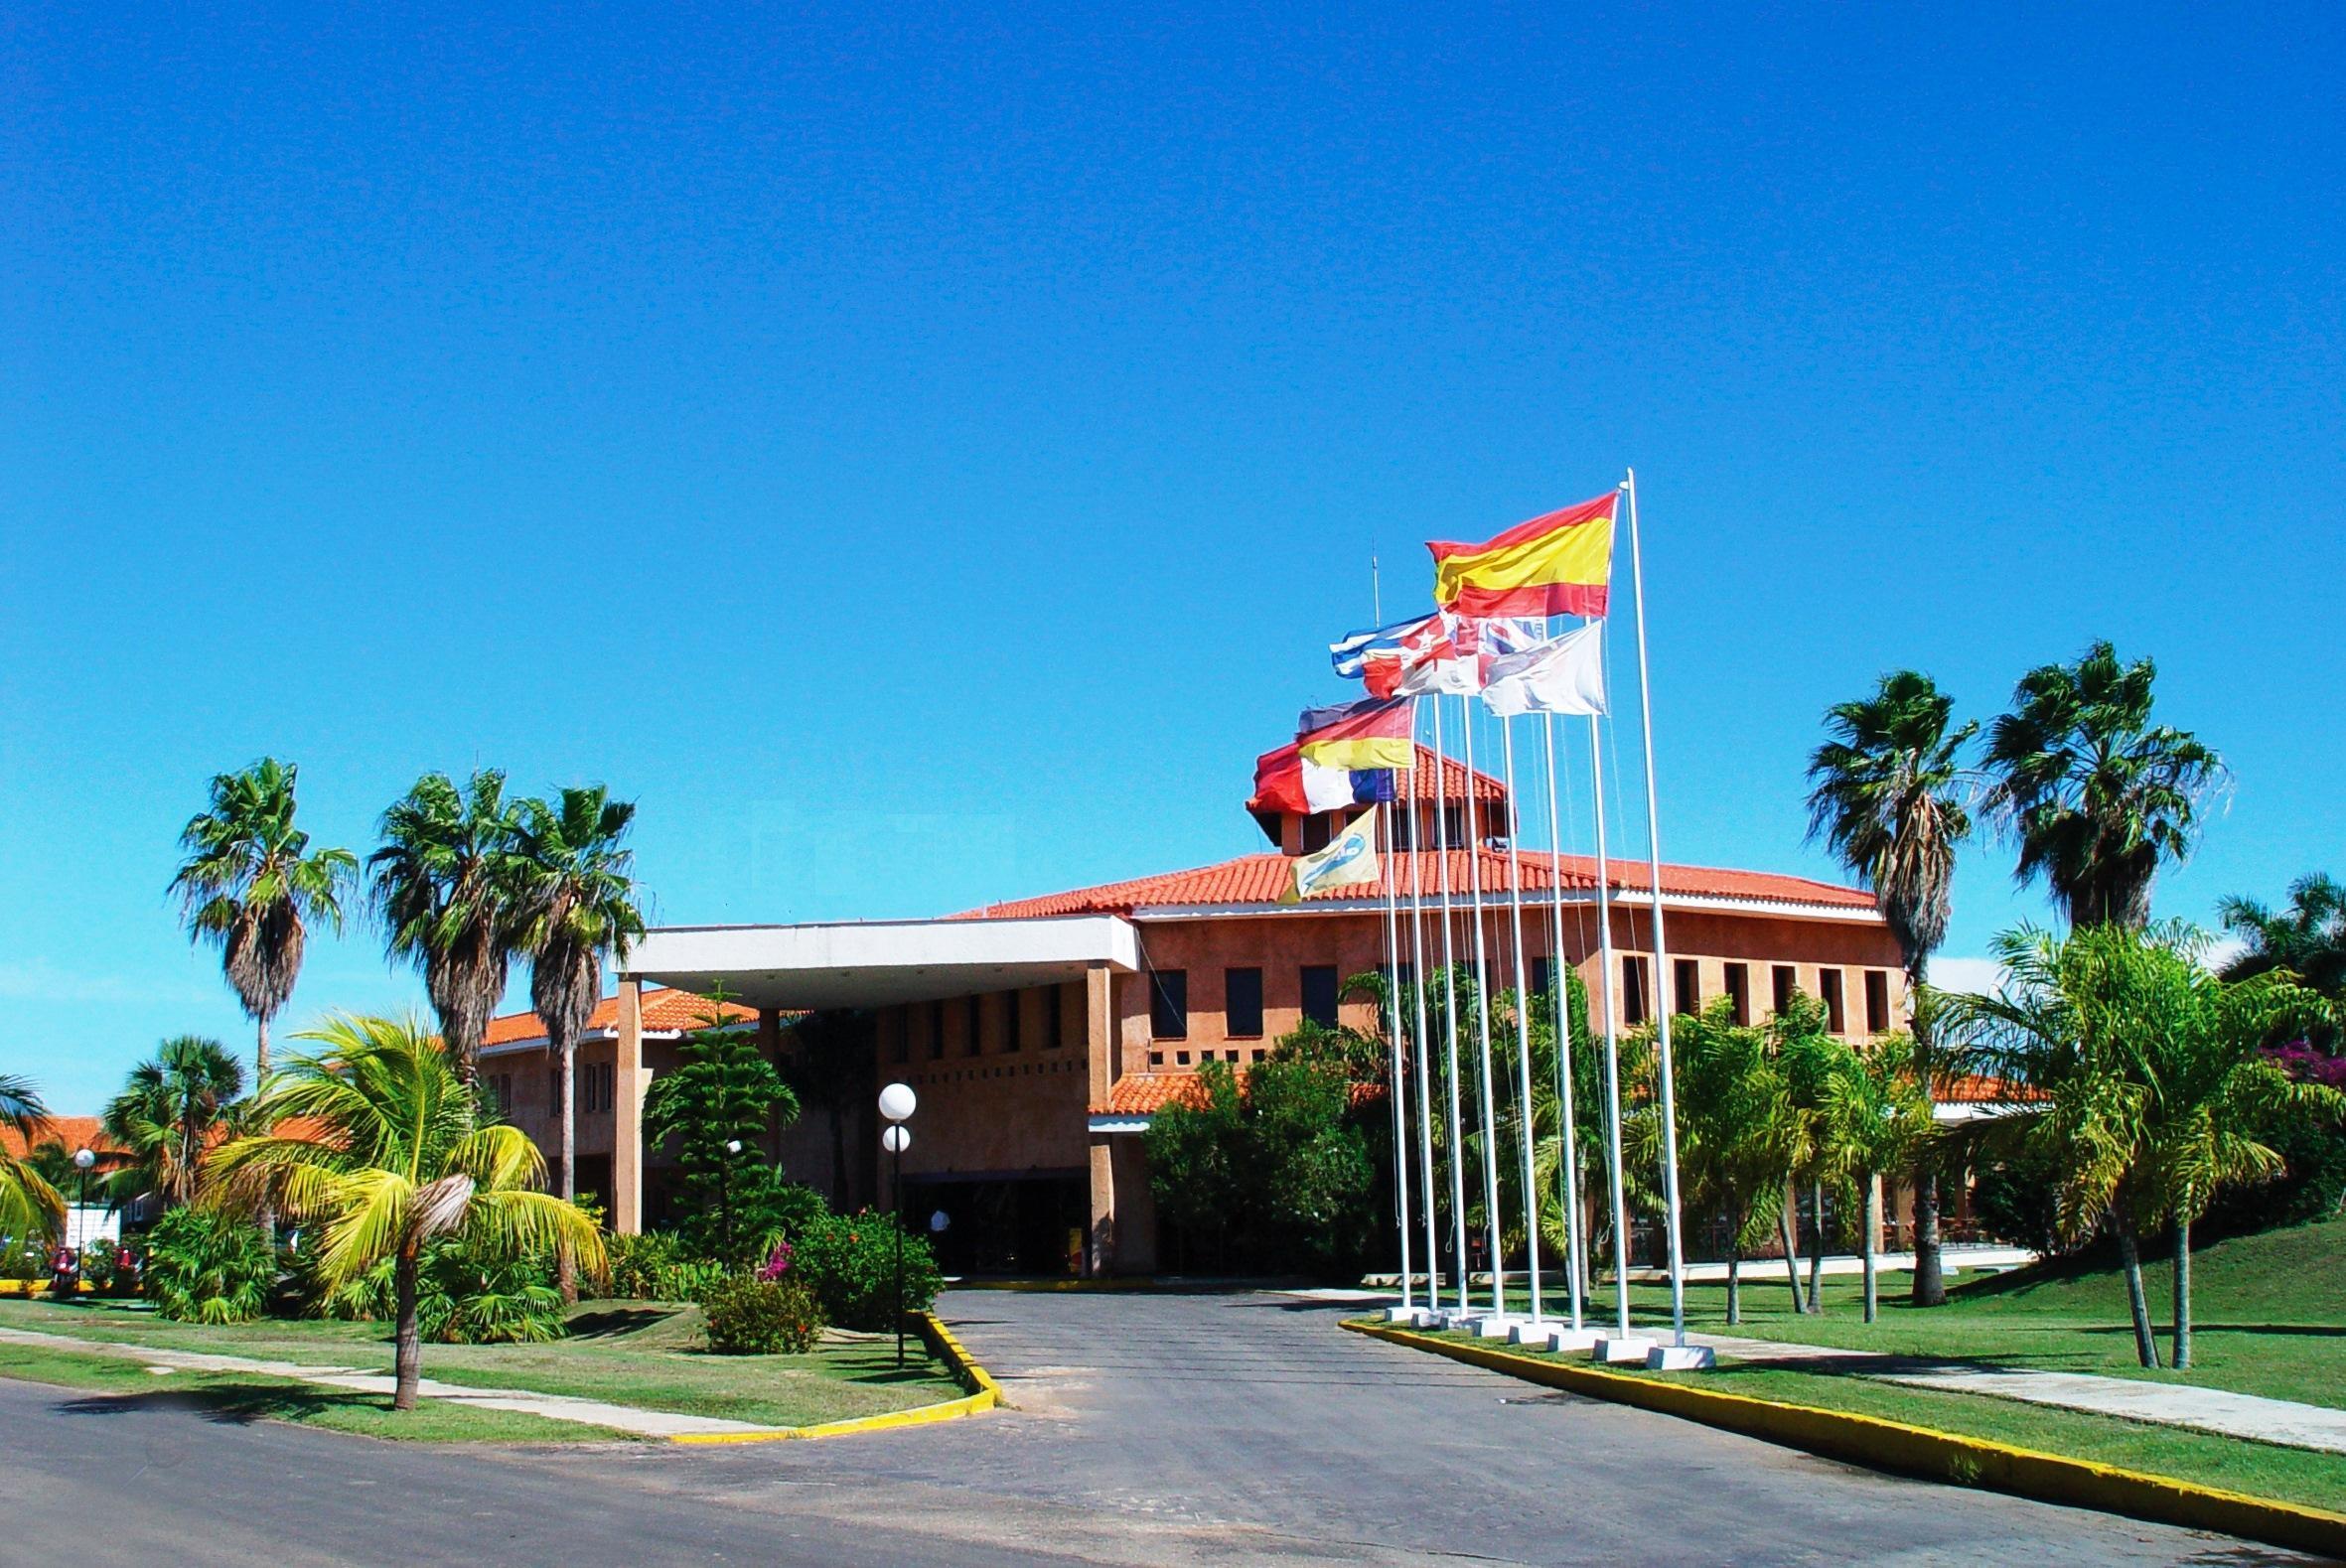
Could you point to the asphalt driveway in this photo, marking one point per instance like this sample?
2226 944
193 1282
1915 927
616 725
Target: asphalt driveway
1150 1429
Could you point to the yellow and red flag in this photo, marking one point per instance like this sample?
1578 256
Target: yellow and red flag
1560 564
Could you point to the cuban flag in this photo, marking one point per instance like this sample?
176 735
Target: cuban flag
1380 656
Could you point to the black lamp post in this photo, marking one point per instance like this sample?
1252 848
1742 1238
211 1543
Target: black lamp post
896 1105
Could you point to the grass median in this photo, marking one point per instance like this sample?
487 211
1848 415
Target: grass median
646 1356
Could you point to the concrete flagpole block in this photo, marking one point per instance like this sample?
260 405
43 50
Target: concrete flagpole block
1681 1358
1612 1351
1495 1328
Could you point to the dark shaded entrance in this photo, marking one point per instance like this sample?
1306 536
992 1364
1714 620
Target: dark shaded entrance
1030 1224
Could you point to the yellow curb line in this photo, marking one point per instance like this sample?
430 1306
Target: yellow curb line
984 1394
1878 1444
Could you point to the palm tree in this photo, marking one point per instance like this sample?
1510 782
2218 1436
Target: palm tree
1743 1136
1887 797
29 1205
832 1070
1873 1117
2095 795
577 902
391 1153
2308 938
2151 1090
168 1114
446 887
252 883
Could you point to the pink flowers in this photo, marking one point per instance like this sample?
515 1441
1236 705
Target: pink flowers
777 1262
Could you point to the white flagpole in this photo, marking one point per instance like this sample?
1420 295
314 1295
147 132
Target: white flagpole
1563 1027
1523 1023
1441 821
1393 1013
1433 1294
1481 1021
1664 1005
1604 926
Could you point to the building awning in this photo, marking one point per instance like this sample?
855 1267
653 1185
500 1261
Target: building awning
879 964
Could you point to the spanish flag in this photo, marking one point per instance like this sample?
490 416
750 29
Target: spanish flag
1556 565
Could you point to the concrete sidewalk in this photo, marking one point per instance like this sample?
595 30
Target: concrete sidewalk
553 1407
2218 1410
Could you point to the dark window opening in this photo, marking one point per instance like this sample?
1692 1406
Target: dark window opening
1012 1021
1317 832
904 1037
1787 982
1542 976
1689 975
935 1031
1829 985
976 1009
1168 1006
1739 991
1054 1017
1633 990
1877 1002
1319 993
1242 1002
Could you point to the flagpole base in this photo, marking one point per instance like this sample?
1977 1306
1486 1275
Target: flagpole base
1681 1358
1560 1337
1496 1328
1611 1350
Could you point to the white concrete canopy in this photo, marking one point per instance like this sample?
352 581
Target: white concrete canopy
877 964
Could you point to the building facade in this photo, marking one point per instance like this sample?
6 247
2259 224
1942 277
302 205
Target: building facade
1042 1035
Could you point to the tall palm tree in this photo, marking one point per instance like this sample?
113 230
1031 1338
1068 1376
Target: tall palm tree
252 883
29 1205
2308 938
1887 797
2095 795
391 1153
171 1111
577 902
446 887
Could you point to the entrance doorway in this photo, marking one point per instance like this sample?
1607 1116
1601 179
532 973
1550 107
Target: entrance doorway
1029 1225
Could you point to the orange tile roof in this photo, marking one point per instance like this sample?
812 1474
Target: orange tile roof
75 1132
1259 879
1147 1093
1969 1088
664 1009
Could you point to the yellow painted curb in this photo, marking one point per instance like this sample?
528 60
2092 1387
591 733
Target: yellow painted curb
1919 1451
984 1394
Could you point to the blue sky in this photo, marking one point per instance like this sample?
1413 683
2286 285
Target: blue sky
920 456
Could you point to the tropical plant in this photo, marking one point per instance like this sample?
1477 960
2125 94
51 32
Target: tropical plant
2149 1084
447 889
1873 1117
1741 1136
849 1262
252 883
748 1315
391 1153
577 902
832 1070
174 1107
2095 793
653 1265
1886 794
209 1268
472 1295
718 1103
29 1205
2308 939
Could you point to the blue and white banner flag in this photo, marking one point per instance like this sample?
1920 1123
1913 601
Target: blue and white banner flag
1348 859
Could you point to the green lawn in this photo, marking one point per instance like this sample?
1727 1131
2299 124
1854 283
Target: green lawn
2270 1314
625 1353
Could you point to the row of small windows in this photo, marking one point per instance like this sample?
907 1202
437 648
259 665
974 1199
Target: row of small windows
1322 826
1686 992
597 1084
1013 1008
1242 1000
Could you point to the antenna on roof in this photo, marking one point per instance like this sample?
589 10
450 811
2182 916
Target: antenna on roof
1376 592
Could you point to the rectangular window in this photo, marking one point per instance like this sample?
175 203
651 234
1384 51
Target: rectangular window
1787 982
1828 986
1877 1002
974 1021
1400 827
1168 1004
1404 975
1319 993
1689 975
1542 976
1633 990
1012 1020
1739 991
902 1044
935 1031
1242 1003
1317 831
1054 1017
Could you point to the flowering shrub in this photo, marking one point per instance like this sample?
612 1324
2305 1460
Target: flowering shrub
749 1315
2301 1062
849 1261
777 1262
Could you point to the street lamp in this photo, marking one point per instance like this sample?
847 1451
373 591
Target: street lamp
896 1104
83 1159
